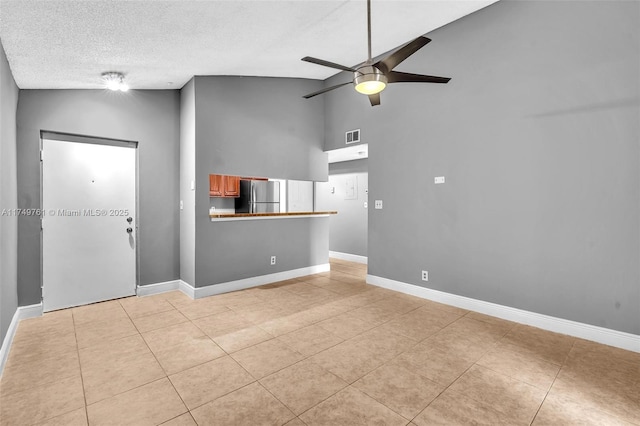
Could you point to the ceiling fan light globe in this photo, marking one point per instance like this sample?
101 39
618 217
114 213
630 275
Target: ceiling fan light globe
370 87
369 80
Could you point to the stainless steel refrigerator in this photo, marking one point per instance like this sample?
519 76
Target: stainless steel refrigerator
258 196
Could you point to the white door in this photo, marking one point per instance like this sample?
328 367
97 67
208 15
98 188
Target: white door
88 226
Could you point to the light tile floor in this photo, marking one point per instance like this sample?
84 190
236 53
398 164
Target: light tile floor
326 349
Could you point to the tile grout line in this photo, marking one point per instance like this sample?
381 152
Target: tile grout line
307 357
166 376
351 384
459 376
297 362
81 379
84 392
382 403
221 396
553 382
189 410
446 387
278 399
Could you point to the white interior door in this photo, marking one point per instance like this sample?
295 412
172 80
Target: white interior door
89 223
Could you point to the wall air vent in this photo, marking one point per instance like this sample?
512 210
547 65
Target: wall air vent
352 136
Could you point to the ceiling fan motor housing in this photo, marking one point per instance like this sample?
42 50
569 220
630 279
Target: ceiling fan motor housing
369 80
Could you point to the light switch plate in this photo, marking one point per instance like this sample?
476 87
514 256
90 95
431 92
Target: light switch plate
378 204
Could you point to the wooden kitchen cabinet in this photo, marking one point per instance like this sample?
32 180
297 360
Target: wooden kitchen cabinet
224 186
231 186
216 186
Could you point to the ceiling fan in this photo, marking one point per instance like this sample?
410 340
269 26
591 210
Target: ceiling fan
371 78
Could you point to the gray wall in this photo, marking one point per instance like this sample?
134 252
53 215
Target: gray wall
347 229
8 196
150 117
538 136
230 251
257 127
187 175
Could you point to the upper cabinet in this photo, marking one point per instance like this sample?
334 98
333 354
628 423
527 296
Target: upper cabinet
215 185
231 186
224 186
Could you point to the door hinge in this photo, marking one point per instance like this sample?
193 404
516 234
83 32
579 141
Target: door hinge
41 155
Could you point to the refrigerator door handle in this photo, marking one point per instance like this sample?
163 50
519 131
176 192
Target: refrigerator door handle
253 199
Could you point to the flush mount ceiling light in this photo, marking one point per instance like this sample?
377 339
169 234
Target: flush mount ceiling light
114 81
370 78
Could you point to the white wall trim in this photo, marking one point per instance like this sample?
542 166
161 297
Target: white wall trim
187 289
619 339
23 312
348 256
212 290
151 289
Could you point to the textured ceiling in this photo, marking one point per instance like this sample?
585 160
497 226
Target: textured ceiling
55 44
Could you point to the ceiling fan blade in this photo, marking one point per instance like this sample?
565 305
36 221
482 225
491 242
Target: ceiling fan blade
405 77
320 92
327 64
391 61
374 99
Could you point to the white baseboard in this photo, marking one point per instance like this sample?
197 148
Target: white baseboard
23 312
619 339
349 257
151 289
187 289
212 290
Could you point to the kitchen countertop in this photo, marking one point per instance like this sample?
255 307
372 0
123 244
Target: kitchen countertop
238 216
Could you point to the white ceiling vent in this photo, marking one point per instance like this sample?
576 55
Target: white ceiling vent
352 136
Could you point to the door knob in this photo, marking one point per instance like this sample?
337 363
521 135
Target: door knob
129 230
129 219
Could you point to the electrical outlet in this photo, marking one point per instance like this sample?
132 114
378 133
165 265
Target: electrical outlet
378 204
273 260
425 275
438 179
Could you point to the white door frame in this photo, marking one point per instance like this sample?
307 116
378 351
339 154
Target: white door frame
71 137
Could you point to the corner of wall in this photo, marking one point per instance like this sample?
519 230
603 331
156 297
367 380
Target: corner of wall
8 196
187 176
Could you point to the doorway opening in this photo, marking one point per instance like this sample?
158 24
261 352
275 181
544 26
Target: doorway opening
347 192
